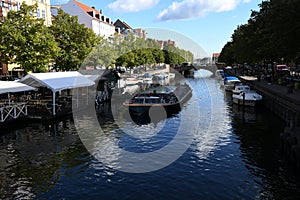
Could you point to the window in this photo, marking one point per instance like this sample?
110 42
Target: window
18 6
43 14
38 13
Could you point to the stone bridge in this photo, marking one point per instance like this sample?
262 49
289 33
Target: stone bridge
185 69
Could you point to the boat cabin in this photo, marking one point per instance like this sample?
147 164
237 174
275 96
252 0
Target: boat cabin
146 100
241 88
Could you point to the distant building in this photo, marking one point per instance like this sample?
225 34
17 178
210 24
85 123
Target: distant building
90 17
43 10
7 6
164 43
203 61
124 29
215 57
140 33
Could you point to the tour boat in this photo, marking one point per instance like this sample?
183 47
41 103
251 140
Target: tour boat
165 97
141 103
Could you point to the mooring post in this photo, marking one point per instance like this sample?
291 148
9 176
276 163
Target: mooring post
243 103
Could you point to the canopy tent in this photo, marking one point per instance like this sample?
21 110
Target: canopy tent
13 86
57 81
93 78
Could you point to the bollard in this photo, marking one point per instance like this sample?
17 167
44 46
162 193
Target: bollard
289 88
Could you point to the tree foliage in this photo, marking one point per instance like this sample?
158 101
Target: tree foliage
26 41
132 52
271 34
75 41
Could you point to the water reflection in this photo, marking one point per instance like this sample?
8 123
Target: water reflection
247 114
259 135
29 158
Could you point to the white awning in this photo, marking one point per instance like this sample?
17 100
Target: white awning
93 78
57 81
13 86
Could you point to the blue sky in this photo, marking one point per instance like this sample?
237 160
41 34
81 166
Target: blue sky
208 23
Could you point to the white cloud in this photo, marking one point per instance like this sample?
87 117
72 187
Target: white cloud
189 9
132 5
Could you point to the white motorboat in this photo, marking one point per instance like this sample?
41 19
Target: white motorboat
249 98
132 81
241 88
147 78
171 75
159 76
219 74
230 82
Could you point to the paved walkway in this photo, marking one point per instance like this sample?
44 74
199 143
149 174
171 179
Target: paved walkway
293 95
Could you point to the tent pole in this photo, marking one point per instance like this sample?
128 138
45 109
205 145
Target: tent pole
87 95
77 97
53 103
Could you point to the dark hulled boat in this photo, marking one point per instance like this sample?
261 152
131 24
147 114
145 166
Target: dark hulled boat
141 103
170 100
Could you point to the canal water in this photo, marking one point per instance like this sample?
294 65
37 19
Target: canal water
231 154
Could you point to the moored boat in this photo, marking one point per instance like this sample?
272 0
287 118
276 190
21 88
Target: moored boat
249 98
241 88
219 74
143 101
133 81
230 82
170 100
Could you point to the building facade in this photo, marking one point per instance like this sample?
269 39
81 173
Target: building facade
124 29
164 43
215 57
43 10
90 17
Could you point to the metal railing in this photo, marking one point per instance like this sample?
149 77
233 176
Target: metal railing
12 111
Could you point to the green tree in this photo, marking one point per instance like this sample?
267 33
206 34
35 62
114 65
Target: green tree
26 41
75 41
227 54
285 28
127 60
271 34
103 54
158 55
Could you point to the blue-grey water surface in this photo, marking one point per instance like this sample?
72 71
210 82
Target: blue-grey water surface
232 156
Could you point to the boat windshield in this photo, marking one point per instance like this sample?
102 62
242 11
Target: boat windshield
152 100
